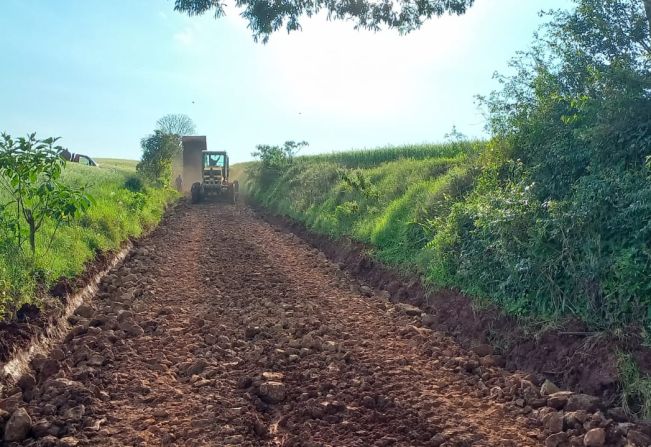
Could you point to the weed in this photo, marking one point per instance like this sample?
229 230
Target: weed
636 387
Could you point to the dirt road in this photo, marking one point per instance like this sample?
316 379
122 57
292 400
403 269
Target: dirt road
221 330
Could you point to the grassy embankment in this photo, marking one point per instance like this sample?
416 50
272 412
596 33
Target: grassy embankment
550 219
386 198
123 208
465 216
446 213
379 197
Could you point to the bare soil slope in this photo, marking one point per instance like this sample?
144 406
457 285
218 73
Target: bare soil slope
221 330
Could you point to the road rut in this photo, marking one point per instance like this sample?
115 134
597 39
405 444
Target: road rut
220 329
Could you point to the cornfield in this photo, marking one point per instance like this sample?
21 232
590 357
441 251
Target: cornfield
365 158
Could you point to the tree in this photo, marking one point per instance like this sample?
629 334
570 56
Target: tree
267 16
455 135
159 149
176 124
275 160
566 223
29 173
278 157
579 101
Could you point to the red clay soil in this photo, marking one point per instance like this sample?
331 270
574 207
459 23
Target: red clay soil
221 330
569 354
30 322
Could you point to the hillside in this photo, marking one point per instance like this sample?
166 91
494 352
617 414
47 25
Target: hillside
444 215
118 163
467 218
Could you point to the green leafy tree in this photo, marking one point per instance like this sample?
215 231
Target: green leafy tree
455 135
278 157
579 100
275 160
560 224
158 151
266 16
176 124
30 171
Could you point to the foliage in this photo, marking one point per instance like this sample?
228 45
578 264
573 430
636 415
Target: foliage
30 171
455 135
278 157
265 17
551 218
134 183
565 222
116 215
275 160
366 158
158 151
636 387
372 203
176 124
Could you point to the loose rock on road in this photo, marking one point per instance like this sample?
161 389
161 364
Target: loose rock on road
221 330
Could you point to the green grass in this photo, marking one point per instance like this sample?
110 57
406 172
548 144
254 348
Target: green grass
636 387
365 158
118 213
382 198
466 216
117 163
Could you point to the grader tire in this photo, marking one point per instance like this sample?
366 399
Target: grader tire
195 192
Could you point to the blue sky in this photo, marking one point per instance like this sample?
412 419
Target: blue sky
100 73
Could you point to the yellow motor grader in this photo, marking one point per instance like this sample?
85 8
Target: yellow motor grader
214 179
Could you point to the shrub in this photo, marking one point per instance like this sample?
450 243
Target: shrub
158 151
30 171
134 183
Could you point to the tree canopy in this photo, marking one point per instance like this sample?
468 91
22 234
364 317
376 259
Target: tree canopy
158 151
267 16
176 124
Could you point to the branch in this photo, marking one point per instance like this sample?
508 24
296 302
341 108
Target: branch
52 237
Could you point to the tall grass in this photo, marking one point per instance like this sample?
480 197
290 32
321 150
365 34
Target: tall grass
465 216
384 198
119 212
365 158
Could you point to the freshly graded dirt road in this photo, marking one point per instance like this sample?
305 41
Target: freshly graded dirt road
222 330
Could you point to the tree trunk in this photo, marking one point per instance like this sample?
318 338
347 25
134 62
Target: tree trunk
647 8
32 237
32 230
